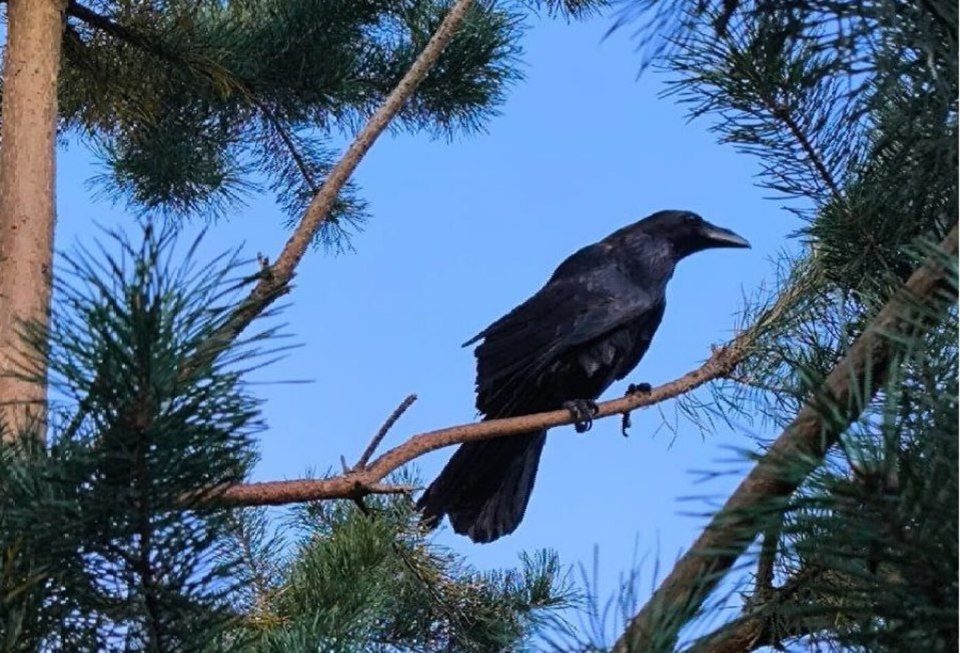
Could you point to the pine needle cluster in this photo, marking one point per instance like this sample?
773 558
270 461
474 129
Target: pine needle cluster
367 579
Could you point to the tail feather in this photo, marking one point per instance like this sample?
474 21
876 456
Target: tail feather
485 487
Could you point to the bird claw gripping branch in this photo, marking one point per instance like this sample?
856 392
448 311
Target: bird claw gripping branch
632 389
583 410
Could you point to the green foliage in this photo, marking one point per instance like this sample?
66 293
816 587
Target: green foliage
111 537
368 580
108 540
851 109
878 534
188 100
194 105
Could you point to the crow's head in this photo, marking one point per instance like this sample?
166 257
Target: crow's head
687 232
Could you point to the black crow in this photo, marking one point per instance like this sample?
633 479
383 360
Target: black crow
586 328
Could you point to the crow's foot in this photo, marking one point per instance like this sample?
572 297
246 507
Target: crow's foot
583 410
632 389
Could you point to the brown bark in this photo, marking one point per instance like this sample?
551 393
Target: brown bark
27 211
795 453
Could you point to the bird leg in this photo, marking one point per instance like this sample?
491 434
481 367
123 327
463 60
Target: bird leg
583 410
632 389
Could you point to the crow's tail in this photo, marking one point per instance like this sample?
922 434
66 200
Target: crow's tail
485 487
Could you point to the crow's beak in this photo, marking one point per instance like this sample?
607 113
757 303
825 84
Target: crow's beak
720 237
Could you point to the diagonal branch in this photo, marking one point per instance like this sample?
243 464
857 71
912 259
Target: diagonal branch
276 282
145 42
795 453
113 28
288 142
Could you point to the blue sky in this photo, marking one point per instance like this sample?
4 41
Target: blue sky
463 231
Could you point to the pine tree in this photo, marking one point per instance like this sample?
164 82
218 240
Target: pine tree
193 105
366 579
114 534
849 516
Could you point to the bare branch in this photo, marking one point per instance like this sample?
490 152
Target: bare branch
384 488
378 438
347 485
273 280
795 453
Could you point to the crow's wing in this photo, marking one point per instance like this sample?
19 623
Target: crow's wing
570 310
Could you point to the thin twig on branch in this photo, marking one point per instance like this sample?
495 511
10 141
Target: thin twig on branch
382 433
795 453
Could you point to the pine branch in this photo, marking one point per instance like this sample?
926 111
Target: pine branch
159 50
276 283
780 111
287 139
124 33
757 628
111 27
795 453
358 483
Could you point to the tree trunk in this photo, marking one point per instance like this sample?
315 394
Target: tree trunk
27 161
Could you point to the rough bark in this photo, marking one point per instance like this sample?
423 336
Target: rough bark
27 211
